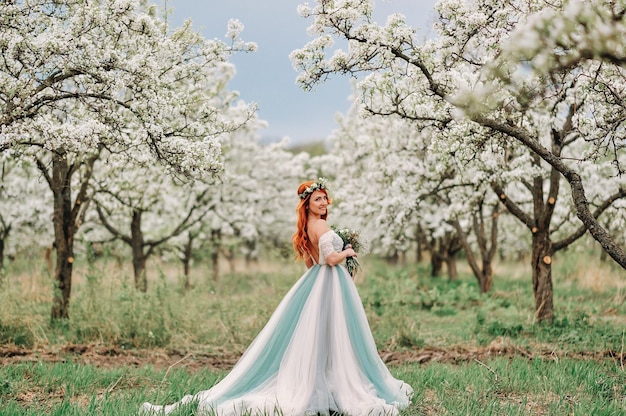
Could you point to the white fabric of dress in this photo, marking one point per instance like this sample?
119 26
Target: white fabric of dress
315 356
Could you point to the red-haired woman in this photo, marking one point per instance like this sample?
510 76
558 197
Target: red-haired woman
316 355
312 211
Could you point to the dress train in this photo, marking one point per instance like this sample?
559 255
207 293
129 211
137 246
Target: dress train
315 356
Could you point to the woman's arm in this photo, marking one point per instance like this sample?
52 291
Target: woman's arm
335 257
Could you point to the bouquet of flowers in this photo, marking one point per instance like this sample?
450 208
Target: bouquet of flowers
353 238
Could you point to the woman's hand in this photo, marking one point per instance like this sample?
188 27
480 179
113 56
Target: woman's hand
349 251
338 256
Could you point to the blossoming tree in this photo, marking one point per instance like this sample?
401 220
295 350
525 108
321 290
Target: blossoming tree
250 208
558 120
410 186
81 78
145 213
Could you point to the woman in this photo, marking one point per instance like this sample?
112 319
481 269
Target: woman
316 355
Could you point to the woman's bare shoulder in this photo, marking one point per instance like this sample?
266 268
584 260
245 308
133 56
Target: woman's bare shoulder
317 228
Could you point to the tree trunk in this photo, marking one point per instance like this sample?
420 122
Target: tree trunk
436 262
4 234
539 225
47 256
66 219
487 245
215 258
419 252
450 245
139 257
229 254
603 256
419 249
393 257
2 261
187 253
453 274
251 252
542 276
215 253
63 237
485 279
1 254
139 269
443 250
186 280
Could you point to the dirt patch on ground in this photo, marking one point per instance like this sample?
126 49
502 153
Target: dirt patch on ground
113 356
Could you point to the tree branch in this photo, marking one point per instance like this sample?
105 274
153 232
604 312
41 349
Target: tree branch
110 227
578 190
561 244
512 207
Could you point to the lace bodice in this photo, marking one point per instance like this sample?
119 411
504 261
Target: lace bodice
329 243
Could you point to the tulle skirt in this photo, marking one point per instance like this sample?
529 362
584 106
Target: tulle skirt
316 355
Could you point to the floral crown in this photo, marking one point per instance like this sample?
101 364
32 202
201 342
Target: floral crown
315 186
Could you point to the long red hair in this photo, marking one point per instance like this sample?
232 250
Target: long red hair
300 240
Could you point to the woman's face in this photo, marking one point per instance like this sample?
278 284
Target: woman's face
318 203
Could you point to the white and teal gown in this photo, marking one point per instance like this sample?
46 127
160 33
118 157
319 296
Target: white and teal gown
316 355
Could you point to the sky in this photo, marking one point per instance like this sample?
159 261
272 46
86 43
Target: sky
266 76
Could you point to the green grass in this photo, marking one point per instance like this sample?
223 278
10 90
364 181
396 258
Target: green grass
500 387
573 367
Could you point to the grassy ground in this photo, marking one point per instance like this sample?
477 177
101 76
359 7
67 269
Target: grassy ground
502 386
463 353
